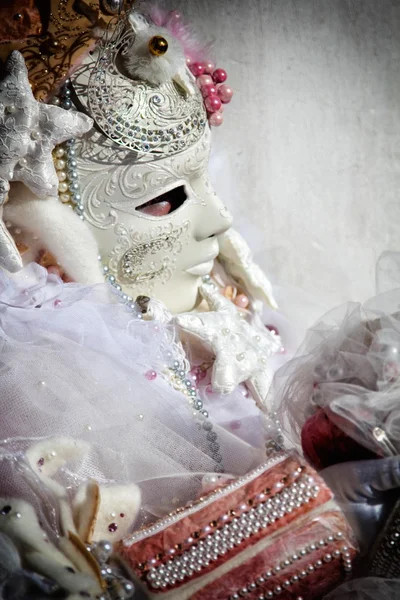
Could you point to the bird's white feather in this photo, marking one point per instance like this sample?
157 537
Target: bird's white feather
141 64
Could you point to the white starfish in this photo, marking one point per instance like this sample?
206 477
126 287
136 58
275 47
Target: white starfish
241 350
29 131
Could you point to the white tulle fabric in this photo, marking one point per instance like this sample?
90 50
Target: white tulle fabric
74 364
350 363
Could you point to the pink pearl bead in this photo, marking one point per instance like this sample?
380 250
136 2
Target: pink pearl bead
209 67
57 302
225 93
204 80
241 300
216 119
150 375
213 104
220 75
197 69
209 90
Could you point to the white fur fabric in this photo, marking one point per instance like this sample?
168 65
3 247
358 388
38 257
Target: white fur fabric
68 238
141 64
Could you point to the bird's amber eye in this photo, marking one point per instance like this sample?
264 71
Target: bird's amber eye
158 45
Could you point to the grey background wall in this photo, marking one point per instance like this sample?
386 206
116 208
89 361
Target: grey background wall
308 158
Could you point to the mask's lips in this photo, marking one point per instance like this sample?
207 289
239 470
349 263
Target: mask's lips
165 203
202 269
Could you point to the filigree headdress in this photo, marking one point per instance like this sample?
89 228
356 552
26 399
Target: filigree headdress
144 91
152 119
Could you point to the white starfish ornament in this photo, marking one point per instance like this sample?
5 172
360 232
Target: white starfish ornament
241 349
29 131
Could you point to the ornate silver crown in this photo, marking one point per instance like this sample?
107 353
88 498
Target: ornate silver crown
153 120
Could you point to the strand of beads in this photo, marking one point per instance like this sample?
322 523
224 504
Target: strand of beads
65 160
180 380
122 297
215 91
68 187
117 585
292 577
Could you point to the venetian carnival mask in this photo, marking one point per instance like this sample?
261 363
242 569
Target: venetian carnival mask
144 189
138 178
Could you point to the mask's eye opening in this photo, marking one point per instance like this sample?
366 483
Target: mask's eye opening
165 203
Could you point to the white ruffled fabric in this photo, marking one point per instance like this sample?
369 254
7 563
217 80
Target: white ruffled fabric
349 363
74 364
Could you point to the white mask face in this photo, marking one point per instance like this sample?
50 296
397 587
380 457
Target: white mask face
144 185
156 223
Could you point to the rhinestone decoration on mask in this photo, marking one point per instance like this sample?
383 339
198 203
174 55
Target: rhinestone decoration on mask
168 240
152 120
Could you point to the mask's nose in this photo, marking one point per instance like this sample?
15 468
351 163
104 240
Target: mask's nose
215 217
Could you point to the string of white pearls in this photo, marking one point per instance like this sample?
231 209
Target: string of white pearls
65 161
286 582
180 381
68 186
